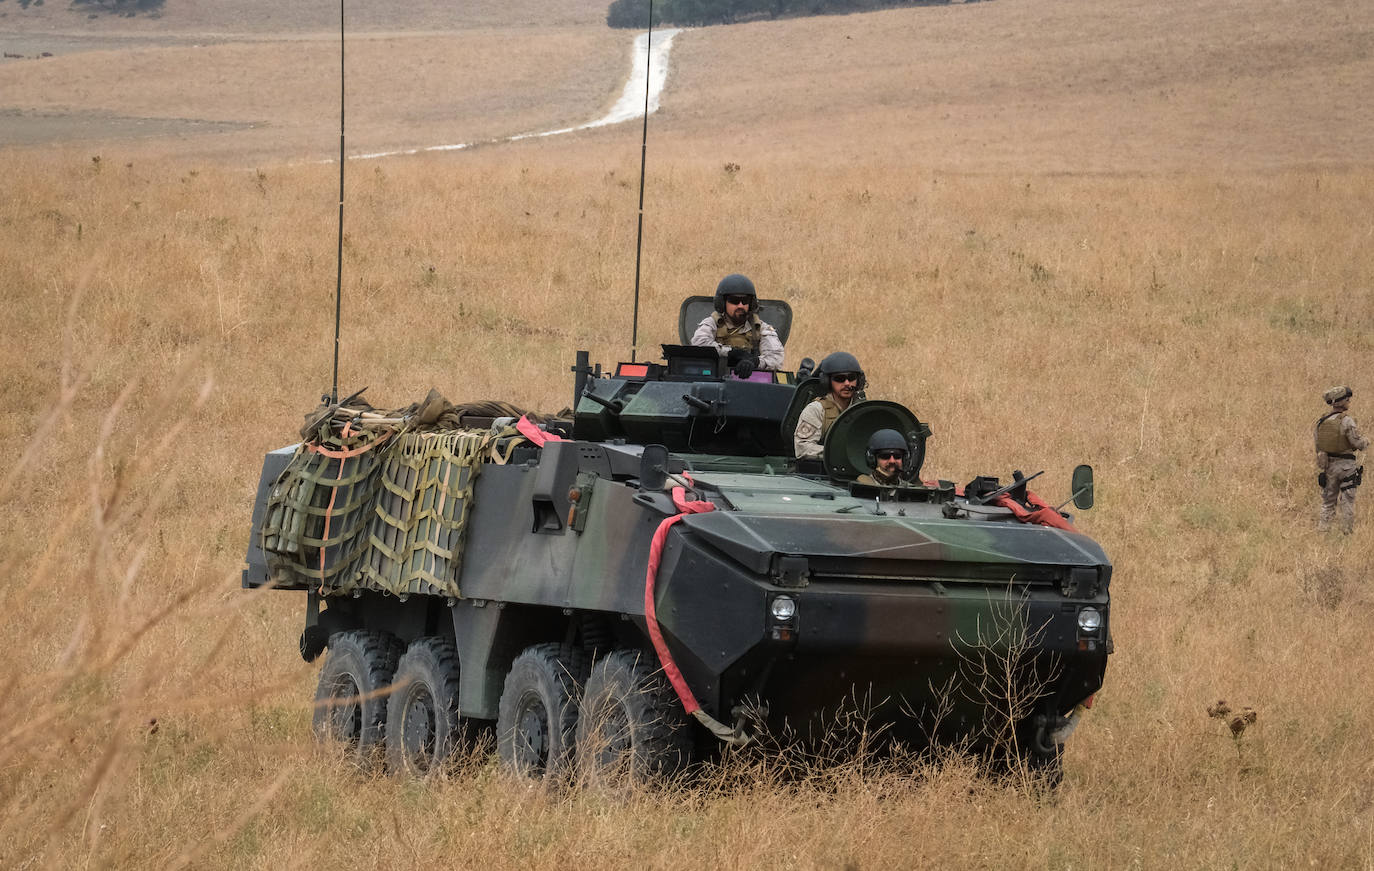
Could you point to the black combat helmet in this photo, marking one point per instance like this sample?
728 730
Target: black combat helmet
886 440
735 285
837 364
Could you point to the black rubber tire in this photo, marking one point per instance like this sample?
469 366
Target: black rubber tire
422 723
631 726
350 701
537 718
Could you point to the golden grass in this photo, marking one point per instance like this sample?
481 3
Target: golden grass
1173 328
1174 331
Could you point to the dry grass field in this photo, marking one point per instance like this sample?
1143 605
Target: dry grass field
1132 236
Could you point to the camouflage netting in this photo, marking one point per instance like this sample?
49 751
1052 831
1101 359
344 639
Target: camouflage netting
379 500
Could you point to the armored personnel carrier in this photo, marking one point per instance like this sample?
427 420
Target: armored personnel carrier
636 584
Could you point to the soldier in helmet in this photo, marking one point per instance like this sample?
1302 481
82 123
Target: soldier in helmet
1338 438
887 453
736 330
844 381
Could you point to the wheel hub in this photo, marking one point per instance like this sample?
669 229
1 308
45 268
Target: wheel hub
532 741
418 731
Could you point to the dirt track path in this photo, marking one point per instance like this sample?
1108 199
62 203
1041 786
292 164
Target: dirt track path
630 105
39 119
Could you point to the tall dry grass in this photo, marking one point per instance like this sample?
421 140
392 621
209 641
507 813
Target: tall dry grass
166 326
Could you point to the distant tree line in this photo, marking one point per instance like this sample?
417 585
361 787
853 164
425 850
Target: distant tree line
119 6
635 13
126 7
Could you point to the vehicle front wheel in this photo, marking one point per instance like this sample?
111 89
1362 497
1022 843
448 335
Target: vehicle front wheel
350 702
538 713
422 722
631 726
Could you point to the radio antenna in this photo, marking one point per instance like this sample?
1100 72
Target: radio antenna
643 157
338 281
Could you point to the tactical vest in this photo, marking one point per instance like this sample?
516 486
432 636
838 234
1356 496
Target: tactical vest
832 411
747 339
1330 438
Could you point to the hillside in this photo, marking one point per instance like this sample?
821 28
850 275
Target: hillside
1051 85
999 86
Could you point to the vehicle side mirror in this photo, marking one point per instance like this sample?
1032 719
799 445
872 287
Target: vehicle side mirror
653 467
1083 487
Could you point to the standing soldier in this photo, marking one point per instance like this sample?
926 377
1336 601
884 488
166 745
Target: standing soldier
1338 438
736 330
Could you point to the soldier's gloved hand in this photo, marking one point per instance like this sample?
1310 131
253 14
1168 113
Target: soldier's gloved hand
735 355
1321 480
744 368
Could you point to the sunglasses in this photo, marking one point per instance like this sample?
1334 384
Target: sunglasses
845 376
739 300
891 455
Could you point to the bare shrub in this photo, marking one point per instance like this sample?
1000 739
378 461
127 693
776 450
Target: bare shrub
1003 672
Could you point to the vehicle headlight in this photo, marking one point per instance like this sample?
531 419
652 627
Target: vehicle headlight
1089 620
784 608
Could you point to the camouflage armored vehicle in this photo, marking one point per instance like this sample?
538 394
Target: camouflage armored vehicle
636 583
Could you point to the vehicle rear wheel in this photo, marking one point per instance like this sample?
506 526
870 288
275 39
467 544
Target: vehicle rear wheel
422 723
350 702
537 717
631 726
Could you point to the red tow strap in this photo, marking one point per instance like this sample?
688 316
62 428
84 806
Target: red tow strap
529 430
665 658
1043 514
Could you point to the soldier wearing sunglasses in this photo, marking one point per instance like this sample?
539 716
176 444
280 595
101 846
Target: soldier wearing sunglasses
844 381
736 330
887 453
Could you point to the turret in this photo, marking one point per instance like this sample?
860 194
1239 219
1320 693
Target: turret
688 405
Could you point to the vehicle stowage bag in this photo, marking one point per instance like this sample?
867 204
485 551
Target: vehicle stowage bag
375 510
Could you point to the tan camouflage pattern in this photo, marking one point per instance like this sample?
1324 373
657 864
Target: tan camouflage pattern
1336 394
1333 434
1337 499
812 425
753 335
1338 433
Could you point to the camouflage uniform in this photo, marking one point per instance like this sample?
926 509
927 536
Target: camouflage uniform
813 423
753 335
1337 439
